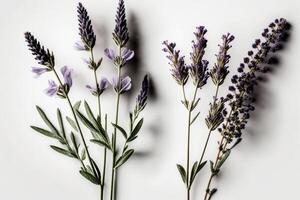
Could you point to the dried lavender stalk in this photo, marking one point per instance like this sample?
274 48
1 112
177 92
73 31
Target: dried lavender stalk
241 97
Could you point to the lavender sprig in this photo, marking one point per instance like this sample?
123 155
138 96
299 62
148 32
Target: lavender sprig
86 32
42 55
241 96
179 69
220 70
121 34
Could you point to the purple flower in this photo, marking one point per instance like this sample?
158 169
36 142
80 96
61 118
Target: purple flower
141 99
67 74
121 34
52 89
79 46
42 55
179 70
39 70
199 73
86 32
220 70
110 53
102 86
126 55
123 86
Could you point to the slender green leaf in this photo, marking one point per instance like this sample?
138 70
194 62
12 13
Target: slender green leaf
90 114
98 173
223 159
200 166
120 129
90 177
194 119
86 122
135 130
62 151
72 123
46 120
61 123
182 173
193 172
74 142
126 155
44 132
83 154
76 106
101 143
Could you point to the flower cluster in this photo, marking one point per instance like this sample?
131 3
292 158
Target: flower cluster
86 32
220 70
121 34
141 99
179 69
119 61
42 55
121 85
241 94
199 67
216 114
101 87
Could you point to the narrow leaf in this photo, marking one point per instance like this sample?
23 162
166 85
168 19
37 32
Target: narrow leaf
194 119
86 122
90 114
61 124
72 123
135 130
193 173
90 177
77 105
124 158
62 151
120 129
101 143
44 132
182 172
223 159
46 120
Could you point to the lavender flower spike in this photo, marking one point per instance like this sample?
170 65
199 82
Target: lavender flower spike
220 70
123 86
52 89
141 99
121 34
39 70
198 68
67 74
103 85
179 70
42 55
86 32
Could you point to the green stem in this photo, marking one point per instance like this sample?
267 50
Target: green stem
104 165
77 123
114 138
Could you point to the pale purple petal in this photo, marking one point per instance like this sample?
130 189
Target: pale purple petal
38 71
52 89
127 54
110 54
114 82
79 46
103 84
67 74
125 84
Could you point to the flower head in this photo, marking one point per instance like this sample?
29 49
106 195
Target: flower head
39 70
86 32
179 69
67 74
199 67
52 89
241 92
126 55
121 85
216 114
220 70
101 87
121 34
141 99
42 55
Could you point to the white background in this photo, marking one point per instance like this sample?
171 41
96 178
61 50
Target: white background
265 166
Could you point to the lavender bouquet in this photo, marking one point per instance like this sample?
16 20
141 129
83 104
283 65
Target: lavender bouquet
239 102
94 120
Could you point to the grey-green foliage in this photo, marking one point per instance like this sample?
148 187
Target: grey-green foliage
70 146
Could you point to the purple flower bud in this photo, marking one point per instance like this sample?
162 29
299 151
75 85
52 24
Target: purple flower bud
52 89
102 86
123 86
110 53
141 100
127 54
79 46
39 70
67 74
